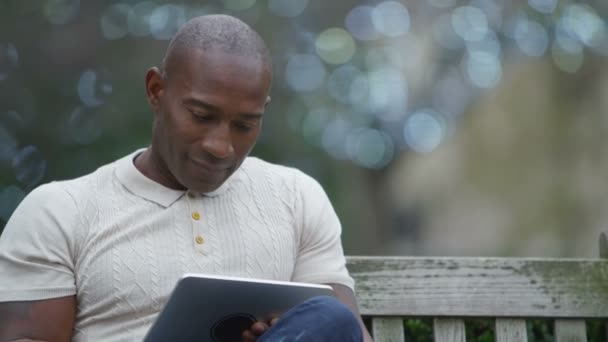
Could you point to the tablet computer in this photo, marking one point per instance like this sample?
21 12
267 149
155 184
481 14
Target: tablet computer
218 309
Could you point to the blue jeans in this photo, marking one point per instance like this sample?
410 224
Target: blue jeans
318 319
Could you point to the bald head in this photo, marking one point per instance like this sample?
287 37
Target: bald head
216 32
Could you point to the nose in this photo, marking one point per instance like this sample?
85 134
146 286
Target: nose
218 142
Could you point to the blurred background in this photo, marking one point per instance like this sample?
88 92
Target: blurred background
437 127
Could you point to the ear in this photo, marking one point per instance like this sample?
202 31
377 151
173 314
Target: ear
154 87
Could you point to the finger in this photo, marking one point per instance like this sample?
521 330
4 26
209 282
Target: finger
248 336
258 328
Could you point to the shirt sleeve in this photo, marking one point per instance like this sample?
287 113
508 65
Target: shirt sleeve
36 259
320 254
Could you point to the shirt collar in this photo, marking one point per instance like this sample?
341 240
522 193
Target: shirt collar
144 187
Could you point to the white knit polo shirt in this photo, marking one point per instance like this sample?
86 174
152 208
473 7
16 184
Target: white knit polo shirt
120 241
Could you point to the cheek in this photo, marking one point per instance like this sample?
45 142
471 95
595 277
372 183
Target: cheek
244 144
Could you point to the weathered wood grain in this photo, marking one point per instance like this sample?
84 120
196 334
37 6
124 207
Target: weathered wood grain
388 329
604 255
449 330
571 330
511 330
481 287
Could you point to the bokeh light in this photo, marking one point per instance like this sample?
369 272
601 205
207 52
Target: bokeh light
470 23
8 146
493 11
313 124
333 139
376 85
359 91
424 131
531 37
304 72
442 3
340 82
360 24
335 46
166 20
84 125
543 6
582 22
29 166
483 69
9 59
369 148
114 21
565 40
444 34
489 44
388 93
138 18
391 18
93 88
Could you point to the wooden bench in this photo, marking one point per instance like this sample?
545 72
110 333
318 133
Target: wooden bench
509 290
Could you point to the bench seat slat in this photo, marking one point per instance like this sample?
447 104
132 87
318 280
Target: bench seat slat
388 329
449 330
481 287
570 330
511 330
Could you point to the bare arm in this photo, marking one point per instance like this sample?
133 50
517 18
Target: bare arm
50 320
346 296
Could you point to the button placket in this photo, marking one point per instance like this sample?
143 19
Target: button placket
198 237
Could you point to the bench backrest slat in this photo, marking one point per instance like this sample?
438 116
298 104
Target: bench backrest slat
511 330
570 330
449 330
481 287
388 329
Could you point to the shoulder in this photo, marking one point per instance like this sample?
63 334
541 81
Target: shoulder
89 186
259 168
285 181
63 195
65 199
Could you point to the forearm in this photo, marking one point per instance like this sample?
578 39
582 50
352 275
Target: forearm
366 336
346 296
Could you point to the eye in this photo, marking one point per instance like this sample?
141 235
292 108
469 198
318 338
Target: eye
201 116
243 127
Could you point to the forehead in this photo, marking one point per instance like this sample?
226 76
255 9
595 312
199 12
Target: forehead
219 71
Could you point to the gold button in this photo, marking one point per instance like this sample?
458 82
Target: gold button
191 194
199 240
196 215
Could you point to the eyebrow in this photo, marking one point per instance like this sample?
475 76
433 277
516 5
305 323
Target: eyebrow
212 108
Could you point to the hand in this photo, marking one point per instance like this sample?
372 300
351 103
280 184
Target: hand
257 329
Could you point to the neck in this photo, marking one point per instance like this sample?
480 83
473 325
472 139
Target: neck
152 166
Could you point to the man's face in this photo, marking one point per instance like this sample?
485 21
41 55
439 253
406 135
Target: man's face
208 115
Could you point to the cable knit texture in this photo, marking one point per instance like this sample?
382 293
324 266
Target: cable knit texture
120 242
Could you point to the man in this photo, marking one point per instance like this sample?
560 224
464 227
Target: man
95 258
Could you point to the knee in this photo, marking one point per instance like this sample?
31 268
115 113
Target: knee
332 312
